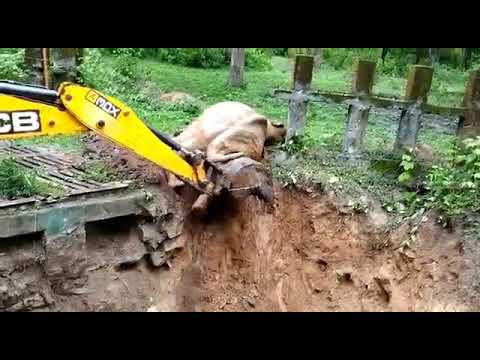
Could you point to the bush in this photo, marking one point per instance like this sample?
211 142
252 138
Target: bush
206 58
280 51
299 144
394 66
114 76
92 71
126 61
345 58
454 188
10 50
11 66
275 51
194 57
135 52
257 59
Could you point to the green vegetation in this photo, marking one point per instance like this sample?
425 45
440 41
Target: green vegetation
140 77
16 181
11 64
453 186
97 171
65 143
206 58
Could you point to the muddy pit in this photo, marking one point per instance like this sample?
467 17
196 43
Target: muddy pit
307 252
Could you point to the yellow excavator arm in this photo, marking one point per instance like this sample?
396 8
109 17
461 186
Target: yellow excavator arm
27 111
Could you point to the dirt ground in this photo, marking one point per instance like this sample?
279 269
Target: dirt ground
122 161
307 253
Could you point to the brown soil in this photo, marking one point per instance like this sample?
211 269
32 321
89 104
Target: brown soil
122 161
176 97
310 255
307 253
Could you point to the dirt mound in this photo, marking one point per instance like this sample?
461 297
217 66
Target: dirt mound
310 255
177 97
122 161
158 97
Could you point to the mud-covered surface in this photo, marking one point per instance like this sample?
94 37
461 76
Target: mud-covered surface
73 263
121 161
308 254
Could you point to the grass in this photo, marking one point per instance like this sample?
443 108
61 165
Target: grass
326 123
97 171
66 143
16 182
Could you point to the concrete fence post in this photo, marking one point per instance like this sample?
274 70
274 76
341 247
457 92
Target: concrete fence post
418 85
297 106
469 124
358 111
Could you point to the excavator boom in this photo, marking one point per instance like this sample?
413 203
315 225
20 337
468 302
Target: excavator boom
27 111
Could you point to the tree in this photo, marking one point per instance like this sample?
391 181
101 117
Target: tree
466 58
237 67
434 55
34 66
61 65
384 54
64 64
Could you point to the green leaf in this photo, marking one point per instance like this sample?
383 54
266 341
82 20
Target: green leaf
467 184
405 177
408 166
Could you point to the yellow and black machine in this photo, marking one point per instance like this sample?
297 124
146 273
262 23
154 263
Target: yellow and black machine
29 111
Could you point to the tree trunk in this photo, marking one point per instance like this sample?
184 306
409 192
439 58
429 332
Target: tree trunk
33 64
434 55
384 54
466 58
228 54
318 57
64 65
418 55
81 53
237 67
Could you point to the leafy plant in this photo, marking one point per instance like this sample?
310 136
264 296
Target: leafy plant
11 66
408 168
454 186
194 57
127 59
299 144
257 59
278 51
